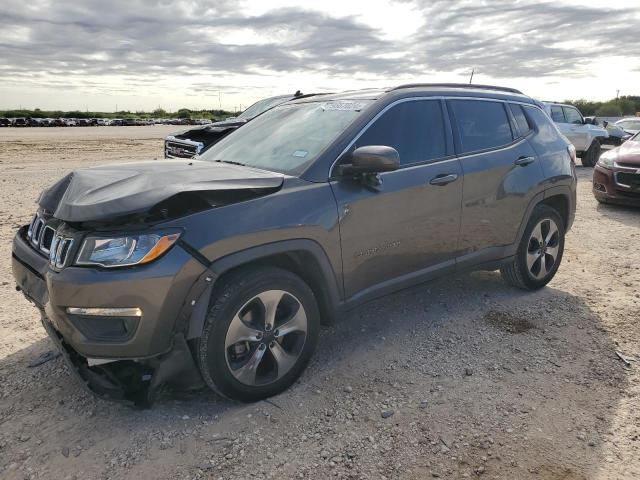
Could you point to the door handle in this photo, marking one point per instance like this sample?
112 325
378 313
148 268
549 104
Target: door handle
444 179
524 161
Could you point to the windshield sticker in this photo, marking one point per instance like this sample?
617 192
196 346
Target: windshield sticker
343 105
300 153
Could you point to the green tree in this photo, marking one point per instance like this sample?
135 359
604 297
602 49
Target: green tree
609 109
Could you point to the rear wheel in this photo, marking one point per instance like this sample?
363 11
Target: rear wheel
259 335
592 155
540 251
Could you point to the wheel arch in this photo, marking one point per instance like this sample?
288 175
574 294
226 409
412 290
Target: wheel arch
303 257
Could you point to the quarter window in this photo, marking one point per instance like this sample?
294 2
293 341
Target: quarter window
573 116
556 114
414 128
482 124
521 119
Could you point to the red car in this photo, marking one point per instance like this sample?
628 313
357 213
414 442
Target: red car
616 176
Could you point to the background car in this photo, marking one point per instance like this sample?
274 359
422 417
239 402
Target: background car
630 125
586 137
5 122
617 136
616 177
196 140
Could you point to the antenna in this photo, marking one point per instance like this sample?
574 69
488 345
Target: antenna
471 78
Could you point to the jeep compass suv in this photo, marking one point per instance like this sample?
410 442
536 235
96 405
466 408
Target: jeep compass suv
222 269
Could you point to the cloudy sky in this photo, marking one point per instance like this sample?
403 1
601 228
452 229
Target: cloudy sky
141 54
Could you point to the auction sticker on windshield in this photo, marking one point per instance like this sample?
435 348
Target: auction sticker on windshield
344 105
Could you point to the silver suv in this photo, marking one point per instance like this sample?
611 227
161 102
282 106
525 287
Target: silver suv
586 136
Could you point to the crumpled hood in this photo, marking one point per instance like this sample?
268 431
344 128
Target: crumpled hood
105 192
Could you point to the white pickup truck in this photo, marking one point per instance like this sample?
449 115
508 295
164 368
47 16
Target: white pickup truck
585 136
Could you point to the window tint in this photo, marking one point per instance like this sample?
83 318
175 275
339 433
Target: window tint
572 115
482 124
547 131
415 129
556 114
521 119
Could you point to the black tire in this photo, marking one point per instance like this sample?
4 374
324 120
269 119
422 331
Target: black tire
518 273
234 295
592 155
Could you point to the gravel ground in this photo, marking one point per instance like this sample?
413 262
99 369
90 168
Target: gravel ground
458 378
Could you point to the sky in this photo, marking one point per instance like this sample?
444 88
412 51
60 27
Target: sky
104 55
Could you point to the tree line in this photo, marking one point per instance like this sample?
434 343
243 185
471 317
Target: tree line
628 105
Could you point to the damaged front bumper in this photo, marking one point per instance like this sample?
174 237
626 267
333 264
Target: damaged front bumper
117 361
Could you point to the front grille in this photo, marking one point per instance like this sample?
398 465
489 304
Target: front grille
627 165
60 249
180 150
50 242
631 180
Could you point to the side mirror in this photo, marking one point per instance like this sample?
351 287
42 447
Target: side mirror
371 159
605 124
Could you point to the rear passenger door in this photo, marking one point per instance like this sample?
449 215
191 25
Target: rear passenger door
501 174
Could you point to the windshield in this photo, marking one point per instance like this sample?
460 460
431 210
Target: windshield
262 106
287 138
629 124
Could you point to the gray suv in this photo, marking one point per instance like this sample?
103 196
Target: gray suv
220 270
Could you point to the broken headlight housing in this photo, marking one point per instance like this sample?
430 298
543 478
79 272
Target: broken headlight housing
125 250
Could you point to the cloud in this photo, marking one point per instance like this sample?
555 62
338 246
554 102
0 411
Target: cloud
118 46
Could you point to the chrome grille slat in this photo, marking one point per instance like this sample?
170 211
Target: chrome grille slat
49 241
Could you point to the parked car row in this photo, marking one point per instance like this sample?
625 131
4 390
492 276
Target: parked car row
96 122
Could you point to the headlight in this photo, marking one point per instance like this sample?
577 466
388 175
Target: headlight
606 160
134 249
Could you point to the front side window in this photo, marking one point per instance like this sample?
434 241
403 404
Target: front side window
414 128
556 114
573 116
287 138
482 124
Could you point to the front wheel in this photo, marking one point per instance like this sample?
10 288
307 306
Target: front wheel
539 252
259 335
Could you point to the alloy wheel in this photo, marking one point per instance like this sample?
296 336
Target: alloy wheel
543 248
266 337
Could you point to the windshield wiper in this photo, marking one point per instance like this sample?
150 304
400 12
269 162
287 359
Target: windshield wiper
230 162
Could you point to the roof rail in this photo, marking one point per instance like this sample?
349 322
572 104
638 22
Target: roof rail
458 85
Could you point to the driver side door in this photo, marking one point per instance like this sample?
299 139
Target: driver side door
405 229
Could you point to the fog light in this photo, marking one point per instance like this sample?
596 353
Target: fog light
106 312
600 187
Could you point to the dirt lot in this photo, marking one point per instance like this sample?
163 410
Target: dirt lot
475 378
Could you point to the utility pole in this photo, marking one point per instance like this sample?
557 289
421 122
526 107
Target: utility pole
219 100
471 78
617 94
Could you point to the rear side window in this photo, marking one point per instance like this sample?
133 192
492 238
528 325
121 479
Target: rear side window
556 114
482 124
521 120
547 131
415 129
572 115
